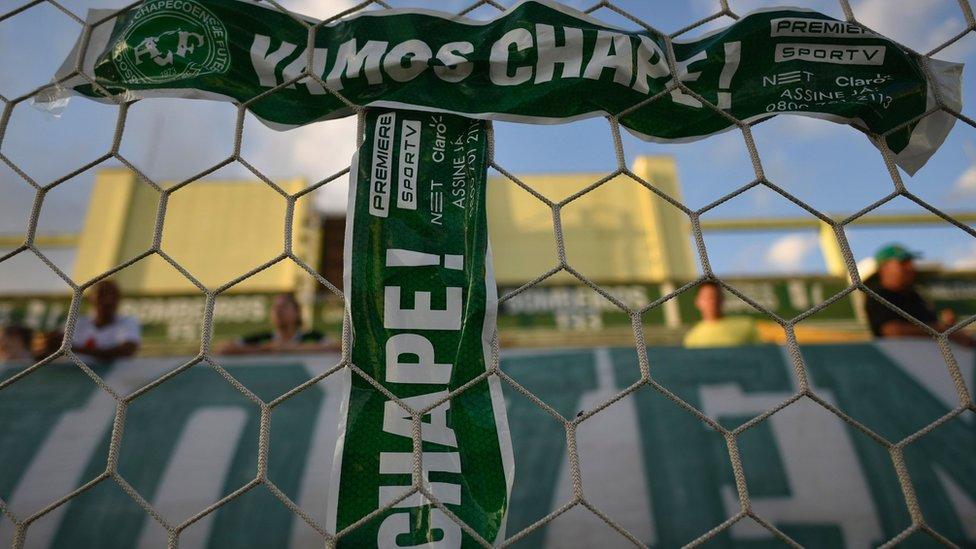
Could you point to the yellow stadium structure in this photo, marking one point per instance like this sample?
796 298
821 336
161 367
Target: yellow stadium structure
214 228
620 232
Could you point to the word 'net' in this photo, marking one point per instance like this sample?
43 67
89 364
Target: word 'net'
206 357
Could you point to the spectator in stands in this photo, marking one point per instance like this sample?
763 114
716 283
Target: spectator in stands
15 344
715 329
104 335
286 335
895 282
46 342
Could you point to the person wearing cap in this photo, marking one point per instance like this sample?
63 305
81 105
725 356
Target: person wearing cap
895 282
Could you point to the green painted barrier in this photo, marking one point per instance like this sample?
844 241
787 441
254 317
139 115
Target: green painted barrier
649 465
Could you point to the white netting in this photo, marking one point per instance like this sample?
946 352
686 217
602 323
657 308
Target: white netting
579 498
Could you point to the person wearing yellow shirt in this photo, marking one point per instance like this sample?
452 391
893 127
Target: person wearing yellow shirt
715 329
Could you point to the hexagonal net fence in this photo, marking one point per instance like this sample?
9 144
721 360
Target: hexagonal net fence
206 357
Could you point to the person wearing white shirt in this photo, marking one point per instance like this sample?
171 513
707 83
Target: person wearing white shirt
104 335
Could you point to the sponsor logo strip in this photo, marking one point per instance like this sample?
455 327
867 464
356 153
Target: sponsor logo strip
825 28
409 157
382 165
829 53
